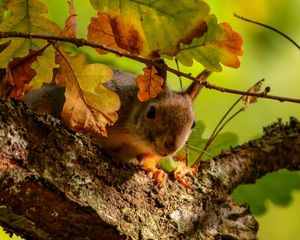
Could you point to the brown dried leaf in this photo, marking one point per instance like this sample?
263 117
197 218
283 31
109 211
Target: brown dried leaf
112 31
70 29
89 107
150 84
19 74
248 100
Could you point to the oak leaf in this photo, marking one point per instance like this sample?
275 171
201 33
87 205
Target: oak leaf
248 100
111 30
150 84
89 106
4 45
19 74
220 44
161 26
70 29
27 16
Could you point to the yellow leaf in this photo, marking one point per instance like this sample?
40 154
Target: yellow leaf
27 16
89 106
43 66
150 84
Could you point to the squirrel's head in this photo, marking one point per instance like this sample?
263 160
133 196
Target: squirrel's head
165 122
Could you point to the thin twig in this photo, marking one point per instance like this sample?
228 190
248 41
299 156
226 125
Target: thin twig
180 80
269 27
221 124
197 162
82 42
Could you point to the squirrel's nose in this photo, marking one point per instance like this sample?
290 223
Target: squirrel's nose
170 144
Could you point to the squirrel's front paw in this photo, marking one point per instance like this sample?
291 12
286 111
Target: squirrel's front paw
159 177
148 162
183 170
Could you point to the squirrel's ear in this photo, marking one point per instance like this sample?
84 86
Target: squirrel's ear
193 90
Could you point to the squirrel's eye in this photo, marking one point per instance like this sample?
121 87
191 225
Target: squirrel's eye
150 112
194 124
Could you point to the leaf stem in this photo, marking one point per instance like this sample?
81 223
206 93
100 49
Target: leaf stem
79 42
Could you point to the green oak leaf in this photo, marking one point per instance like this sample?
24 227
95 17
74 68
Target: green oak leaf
220 44
276 187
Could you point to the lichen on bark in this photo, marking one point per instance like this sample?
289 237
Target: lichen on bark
57 184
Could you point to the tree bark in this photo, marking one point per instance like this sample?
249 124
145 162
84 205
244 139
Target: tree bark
56 184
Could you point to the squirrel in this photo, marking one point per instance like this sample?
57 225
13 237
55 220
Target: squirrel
148 131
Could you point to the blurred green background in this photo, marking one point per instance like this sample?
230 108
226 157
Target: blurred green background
274 199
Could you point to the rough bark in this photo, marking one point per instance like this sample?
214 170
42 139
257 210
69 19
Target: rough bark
56 184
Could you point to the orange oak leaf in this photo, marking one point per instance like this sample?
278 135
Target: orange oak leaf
70 29
150 84
89 106
112 31
231 42
19 74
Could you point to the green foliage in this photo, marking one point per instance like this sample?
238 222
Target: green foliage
197 142
166 30
161 24
276 187
218 45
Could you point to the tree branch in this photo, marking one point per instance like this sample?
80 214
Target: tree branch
56 184
278 148
83 42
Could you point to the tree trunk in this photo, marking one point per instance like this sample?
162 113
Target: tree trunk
56 184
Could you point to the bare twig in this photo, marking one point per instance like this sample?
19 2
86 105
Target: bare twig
83 42
269 27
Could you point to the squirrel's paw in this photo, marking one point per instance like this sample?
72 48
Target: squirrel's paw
181 171
148 163
159 177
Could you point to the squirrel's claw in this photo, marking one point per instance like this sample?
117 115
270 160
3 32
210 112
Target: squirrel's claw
148 164
159 177
183 170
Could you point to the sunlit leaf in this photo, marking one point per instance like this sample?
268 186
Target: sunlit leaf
26 16
70 29
43 66
161 25
89 106
220 44
150 84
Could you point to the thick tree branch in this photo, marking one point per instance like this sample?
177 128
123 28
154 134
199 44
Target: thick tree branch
56 184
83 42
